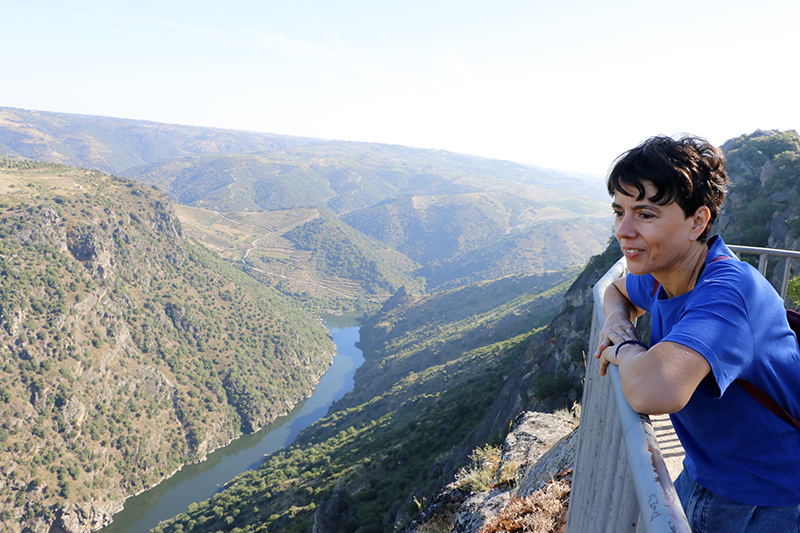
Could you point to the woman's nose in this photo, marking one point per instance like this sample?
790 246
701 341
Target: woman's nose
624 227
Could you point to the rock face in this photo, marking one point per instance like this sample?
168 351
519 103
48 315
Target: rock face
538 448
762 207
533 435
78 518
332 514
541 445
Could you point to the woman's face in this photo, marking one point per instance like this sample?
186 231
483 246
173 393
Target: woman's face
656 239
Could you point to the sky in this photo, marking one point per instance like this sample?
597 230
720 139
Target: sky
564 84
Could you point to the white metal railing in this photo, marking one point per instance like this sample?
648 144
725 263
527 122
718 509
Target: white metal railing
620 479
763 255
620 487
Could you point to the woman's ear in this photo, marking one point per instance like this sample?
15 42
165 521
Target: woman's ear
700 220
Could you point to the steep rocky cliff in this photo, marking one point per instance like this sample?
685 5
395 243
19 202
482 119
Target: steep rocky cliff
763 203
547 379
550 376
127 351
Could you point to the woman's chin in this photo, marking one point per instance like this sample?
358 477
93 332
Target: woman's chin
637 269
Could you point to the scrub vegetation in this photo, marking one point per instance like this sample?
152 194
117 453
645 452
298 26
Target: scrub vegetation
127 350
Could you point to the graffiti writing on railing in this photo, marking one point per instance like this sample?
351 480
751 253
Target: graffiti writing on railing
652 501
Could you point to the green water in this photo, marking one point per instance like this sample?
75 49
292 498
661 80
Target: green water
198 482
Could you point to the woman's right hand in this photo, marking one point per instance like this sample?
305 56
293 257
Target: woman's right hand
616 329
620 314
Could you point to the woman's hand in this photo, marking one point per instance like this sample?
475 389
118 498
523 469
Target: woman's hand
617 328
655 381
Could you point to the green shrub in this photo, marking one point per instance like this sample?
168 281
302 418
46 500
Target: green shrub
793 290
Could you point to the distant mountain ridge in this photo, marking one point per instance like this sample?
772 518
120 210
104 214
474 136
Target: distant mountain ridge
458 218
113 145
432 207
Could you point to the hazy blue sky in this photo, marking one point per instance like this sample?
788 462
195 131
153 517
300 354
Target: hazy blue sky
565 84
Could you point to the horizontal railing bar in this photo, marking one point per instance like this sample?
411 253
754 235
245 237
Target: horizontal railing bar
763 254
754 250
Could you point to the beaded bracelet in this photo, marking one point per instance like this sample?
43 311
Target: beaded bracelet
630 341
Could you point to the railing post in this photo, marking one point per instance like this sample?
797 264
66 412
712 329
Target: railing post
787 271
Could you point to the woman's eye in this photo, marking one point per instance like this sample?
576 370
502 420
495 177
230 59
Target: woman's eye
645 215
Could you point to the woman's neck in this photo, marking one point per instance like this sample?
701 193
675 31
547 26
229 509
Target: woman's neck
684 278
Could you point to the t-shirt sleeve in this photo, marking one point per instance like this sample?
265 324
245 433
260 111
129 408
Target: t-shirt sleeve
715 324
640 290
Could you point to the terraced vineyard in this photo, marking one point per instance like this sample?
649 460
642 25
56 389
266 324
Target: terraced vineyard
257 240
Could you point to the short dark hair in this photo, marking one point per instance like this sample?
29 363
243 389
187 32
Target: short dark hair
688 170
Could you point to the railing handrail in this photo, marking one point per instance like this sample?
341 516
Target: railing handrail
755 250
620 491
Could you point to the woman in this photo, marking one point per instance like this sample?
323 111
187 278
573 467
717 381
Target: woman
714 320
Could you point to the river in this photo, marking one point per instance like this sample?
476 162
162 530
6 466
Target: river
198 482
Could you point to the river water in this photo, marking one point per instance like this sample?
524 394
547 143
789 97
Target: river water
198 482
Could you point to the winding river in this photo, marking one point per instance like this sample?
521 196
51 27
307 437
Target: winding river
198 482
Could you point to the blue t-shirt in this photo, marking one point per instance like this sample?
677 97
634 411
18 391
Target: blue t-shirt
733 317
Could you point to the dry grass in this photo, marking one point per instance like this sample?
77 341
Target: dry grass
479 475
544 511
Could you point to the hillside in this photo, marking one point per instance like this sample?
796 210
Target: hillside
306 253
348 177
438 211
551 245
127 349
762 207
384 448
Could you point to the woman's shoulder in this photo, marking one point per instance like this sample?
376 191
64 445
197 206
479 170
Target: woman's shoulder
740 282
723 266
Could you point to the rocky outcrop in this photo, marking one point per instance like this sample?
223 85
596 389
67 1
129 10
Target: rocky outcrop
762 207
539 448
78 518
332 514
535 434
